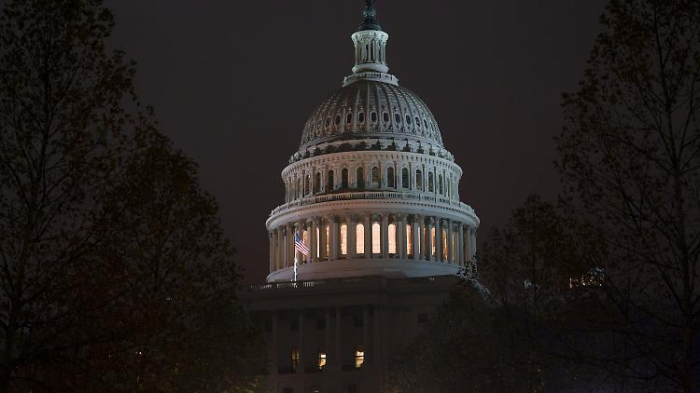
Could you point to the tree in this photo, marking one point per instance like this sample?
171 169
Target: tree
629 159
114 271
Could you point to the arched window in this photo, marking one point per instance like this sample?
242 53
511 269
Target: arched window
295 359
419 180
376 179
344 178
331 182
360 239
409 240
431 188
376 239
307 184
440 189
392 238
404 178
317 183
390 178
360 178
322 357
343 239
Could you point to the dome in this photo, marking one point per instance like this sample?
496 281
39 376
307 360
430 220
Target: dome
371 109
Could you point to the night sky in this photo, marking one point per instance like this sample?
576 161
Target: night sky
233 83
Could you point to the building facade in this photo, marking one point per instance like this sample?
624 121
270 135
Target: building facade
371 235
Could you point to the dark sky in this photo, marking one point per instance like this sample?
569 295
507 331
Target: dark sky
233 83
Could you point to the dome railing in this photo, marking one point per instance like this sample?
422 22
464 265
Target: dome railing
388 195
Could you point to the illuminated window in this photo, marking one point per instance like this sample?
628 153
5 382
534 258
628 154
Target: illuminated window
392 238
444 245
328 243
390 178
360 239
322 358
359 357
430 182
404 178
343 239
295 359
331 182
376 179
419 180
344 178
318 242
409 240
360 178
432 236
376 239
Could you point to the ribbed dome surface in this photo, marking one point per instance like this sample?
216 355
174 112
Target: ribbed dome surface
369 108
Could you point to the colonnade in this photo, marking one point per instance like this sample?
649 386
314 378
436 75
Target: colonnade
373 236
310 352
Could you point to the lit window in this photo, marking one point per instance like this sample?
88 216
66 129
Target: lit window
328 237
392 238
322 357
359 357
295 359
409 240
318 242
444 245
376 239
343 239
432 236
360 238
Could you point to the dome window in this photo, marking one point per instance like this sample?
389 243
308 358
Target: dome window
361 117
408 120
373 117
348 119
425 124
397 118
417 121
386 117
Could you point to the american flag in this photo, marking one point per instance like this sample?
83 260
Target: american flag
299 245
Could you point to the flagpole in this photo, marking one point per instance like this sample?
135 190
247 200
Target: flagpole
296 260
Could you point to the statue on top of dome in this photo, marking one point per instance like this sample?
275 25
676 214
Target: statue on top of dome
370 21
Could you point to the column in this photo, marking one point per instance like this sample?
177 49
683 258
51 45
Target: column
271 249
473 237
333 239
352 233
438 240
310 233
415 232
429 240
322 239
302 351
368 236
384 239
338 356
376 355
274 364
400 236
450 243
468 244
330 358
365 330
285 245
460 242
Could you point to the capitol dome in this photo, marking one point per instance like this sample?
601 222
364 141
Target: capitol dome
371 190
371 109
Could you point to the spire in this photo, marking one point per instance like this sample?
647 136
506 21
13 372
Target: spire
370 22
370 51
